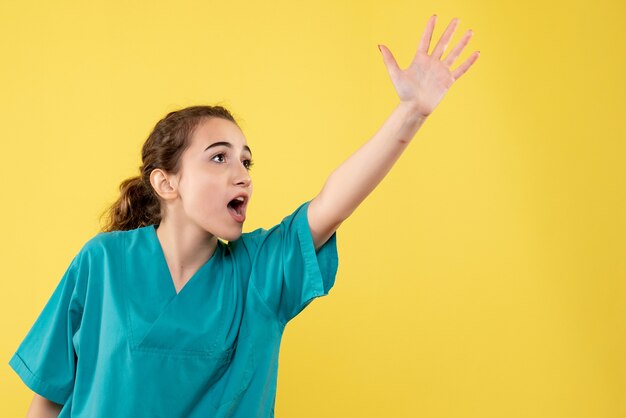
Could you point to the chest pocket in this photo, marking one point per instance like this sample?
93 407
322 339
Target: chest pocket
174 383
200 366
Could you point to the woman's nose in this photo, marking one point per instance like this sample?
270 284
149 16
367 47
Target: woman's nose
243 177
245 180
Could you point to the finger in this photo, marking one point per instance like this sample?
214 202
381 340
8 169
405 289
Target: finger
461 69
456 51
390 61
426 36
445 38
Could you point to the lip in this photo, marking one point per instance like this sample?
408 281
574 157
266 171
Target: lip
244 206
239 218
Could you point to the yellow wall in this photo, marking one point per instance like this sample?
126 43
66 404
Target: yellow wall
484 277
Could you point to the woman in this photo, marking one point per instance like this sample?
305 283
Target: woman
157 317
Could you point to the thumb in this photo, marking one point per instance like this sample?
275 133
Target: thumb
390 61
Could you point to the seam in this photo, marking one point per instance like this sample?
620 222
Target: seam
129 324
43 385
273 314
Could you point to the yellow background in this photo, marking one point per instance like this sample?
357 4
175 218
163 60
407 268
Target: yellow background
484 277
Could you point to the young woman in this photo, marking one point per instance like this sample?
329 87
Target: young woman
157 317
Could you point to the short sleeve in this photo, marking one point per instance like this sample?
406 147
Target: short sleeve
46 360
287 271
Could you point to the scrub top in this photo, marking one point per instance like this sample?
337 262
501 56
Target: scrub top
116 340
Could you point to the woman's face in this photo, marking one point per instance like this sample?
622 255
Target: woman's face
212 174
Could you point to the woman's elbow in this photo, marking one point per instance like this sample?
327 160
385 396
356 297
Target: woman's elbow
41 407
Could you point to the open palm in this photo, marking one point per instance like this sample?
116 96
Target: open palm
424 83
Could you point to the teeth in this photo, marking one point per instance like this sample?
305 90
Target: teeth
240 198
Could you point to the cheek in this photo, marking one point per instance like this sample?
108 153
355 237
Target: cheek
207 194
204 190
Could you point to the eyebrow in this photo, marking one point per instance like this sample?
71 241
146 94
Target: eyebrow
229 145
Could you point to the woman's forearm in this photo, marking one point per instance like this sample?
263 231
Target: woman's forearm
350 183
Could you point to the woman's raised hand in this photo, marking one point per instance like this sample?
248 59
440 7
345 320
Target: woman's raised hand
424 83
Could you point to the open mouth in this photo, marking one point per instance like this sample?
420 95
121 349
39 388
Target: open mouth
238 207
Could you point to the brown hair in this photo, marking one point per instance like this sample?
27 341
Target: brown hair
139 204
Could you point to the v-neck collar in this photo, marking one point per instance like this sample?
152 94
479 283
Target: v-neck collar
162 261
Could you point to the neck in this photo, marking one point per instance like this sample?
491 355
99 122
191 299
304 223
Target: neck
186 248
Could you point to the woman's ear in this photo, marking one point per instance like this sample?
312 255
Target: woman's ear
164 184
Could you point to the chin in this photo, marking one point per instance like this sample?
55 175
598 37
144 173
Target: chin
232 237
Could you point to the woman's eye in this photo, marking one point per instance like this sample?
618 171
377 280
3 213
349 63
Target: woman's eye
218 155
247 163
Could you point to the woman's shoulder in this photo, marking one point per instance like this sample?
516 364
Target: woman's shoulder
273 235
107 241
246 245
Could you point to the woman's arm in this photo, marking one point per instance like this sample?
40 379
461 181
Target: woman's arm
351 182
43 408
420 88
